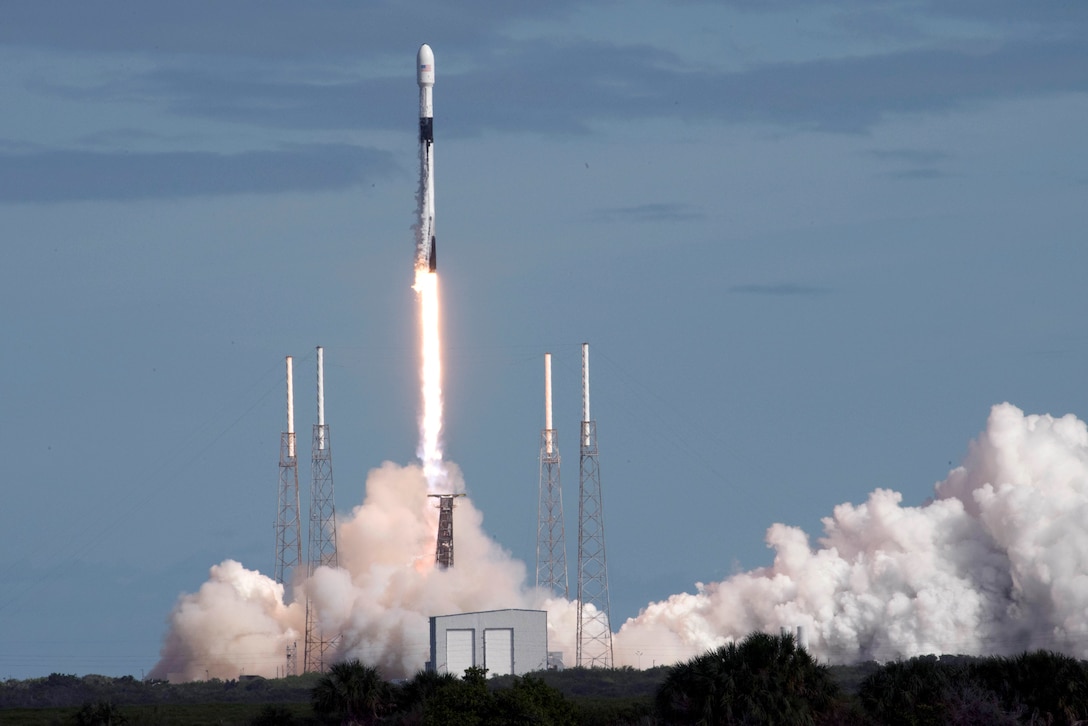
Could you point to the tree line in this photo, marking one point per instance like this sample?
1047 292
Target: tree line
763 679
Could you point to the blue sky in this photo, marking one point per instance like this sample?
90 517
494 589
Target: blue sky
809 247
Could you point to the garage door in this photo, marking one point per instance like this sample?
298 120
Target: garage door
459 651
499 651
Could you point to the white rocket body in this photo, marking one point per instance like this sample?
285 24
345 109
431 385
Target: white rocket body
426 252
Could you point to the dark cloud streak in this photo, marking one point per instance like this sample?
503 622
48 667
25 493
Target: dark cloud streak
553 88
380 103
338 66
787 289
920 174
271 29
650 212
71 175
913 156
568 88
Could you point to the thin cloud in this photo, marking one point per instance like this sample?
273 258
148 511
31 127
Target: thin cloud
922 173
915 164
910 156
269 30
340 66
10 145
786 289
565 88
652 212
69 175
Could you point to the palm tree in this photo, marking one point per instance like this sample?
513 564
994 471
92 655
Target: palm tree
687 695
422 688
1050 687
764 679
461 701
914 692
102 713
353 691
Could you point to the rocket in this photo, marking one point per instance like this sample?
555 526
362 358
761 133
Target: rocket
425 79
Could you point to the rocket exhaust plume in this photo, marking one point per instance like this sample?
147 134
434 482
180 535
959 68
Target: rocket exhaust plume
385 588
426 287
430 421
995 563
379 598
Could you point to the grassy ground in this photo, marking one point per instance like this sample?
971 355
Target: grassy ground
204 714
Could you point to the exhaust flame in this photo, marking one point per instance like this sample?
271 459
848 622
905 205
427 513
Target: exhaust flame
430 420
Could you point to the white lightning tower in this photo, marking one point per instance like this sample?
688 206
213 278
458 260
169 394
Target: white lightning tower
321 550
288 527
551 543
594 627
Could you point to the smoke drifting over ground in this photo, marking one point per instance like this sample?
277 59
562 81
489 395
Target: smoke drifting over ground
996 562
379 600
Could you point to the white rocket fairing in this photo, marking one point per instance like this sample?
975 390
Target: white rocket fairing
425 251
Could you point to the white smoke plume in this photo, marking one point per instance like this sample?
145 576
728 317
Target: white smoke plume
995 563
236 623
378 601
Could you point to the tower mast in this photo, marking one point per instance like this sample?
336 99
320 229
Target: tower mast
551 546
288 526
321 545
594 628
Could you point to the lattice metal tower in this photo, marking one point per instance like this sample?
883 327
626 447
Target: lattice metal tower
551 542
443 550
594 628
291 668
288 527
321 547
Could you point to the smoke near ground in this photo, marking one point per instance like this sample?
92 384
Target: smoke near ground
379 600
996 562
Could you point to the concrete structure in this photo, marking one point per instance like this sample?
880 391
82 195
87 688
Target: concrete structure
504 642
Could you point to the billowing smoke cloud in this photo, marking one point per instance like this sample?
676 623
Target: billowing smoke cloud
996 562
236 623
378 601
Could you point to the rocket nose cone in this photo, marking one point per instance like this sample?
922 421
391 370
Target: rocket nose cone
425 66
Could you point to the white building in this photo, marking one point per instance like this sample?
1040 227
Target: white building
502 641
